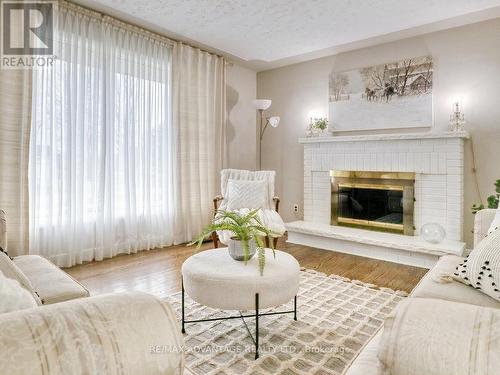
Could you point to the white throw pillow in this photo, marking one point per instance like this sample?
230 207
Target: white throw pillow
12 271
246 194
495 223
13 296
481 268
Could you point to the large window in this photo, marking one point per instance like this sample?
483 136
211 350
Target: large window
101 169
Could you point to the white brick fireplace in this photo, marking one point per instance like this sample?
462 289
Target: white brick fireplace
438 163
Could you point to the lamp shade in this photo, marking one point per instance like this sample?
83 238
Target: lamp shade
274 121
262 104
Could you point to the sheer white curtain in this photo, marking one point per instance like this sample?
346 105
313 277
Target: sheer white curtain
101 150
199 119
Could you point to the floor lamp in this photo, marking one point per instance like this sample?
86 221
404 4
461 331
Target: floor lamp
261 105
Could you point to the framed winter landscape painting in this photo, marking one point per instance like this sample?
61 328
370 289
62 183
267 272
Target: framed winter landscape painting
388 96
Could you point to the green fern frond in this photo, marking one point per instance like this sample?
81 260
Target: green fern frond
258 241
243 227
229 216
262 259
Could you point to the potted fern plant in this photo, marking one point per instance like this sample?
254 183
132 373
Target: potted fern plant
247 235
320 126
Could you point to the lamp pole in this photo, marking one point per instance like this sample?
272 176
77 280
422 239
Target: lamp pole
261 105
261 134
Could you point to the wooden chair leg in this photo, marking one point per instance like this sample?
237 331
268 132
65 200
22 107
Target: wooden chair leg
215 239
275 242
266 239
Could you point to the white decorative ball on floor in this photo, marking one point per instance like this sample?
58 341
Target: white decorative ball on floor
433 232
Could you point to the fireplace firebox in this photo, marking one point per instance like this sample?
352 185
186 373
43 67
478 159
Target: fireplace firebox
382 201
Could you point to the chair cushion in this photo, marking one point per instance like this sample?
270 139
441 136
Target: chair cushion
438 284
246 194
13 296
50 282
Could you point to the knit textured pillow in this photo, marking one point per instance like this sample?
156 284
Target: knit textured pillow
481 268
246 194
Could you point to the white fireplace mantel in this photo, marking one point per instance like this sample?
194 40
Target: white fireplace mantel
385 137
437 159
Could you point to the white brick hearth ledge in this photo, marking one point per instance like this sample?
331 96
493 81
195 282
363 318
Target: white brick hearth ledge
379 245
437 159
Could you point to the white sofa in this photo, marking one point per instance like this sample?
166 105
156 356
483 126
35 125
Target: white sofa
120 333
436 285
45 281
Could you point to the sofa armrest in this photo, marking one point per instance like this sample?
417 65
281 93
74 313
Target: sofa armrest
436 337
482 222
121 333
50 283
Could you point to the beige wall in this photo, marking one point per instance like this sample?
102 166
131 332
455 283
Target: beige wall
467 65
241 88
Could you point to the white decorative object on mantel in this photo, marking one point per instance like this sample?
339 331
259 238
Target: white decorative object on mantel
457 118
437 159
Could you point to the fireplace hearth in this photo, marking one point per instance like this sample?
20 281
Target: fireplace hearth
380 201
430 163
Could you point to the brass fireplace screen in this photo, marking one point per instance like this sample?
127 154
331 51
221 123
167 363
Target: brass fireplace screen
382 201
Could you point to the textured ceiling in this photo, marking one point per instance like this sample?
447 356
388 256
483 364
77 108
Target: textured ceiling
270 30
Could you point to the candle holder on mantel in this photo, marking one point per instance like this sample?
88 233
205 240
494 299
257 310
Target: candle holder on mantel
457 119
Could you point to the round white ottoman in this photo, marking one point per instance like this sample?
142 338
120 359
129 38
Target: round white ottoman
214 279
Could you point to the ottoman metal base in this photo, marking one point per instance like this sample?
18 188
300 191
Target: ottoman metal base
257 314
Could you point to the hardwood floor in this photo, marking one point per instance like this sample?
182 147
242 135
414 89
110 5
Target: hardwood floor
158 271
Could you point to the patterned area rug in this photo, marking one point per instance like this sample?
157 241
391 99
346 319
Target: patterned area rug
336 318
